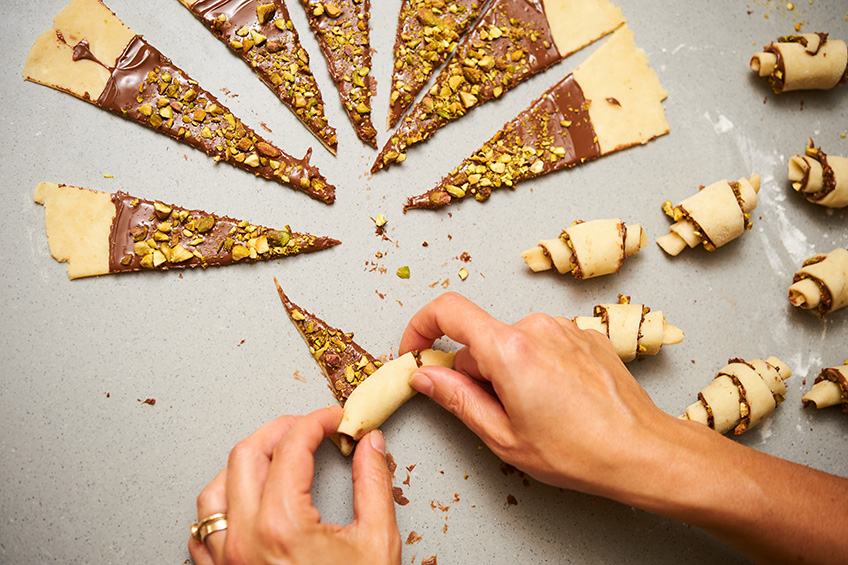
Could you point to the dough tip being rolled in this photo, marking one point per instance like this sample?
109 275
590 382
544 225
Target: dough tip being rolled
763 63
755 182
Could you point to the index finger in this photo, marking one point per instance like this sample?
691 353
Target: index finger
292 468
248 468
450 315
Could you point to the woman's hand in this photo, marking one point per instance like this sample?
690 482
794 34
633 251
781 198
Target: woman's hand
545 396
556 402
265 492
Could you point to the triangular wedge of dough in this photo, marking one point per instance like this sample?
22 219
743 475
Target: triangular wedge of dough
512 41
612 101
428 32
343 361
263 35
92 55
341 27
98 233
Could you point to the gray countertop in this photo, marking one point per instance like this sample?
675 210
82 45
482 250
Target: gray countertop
89 474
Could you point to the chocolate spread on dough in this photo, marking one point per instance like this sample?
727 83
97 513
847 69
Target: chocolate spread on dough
342 31
510 42
193 238
271 46
344 362
82 51
557 124
146 87
427 34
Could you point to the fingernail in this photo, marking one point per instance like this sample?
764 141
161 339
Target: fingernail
378 442
422 383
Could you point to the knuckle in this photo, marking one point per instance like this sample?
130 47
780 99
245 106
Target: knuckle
517 345
543 322
450 296
502 442
233 552
456 402
209 498
240 451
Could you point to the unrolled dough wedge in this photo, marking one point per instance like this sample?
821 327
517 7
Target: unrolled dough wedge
820 178
343 33
428 32
830 388
633 329
612 101
263 35
714 216
511 41
98 233
742 395
587 249
809 61
92 55
821 284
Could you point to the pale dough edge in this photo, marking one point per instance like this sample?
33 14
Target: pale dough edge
619 70
577 23
78 222
50 61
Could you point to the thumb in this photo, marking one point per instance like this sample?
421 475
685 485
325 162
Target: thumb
373 504
463 397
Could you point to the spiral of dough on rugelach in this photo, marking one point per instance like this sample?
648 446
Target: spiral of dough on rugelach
820 178
821 284
830 388
808 61
742 395
632 328
715 215
587 249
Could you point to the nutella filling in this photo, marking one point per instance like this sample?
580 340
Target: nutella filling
344 362
145 86
277 57
502 59
557 124
425 38
342 32
141 227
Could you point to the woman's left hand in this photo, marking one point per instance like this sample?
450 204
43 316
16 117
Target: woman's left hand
265 493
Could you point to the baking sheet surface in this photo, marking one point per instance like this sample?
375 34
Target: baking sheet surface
92 475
